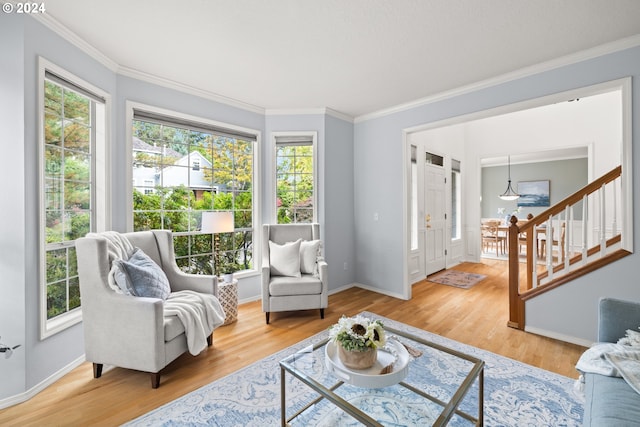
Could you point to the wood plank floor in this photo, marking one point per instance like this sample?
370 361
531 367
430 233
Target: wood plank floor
477 316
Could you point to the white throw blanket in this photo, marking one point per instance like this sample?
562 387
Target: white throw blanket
118 247
612 360
199 313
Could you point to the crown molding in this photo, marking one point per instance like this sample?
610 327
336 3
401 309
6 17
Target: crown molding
604 49
308 111
58 28
55 25
171 84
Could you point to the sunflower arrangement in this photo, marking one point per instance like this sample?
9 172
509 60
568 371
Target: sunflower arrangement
358 333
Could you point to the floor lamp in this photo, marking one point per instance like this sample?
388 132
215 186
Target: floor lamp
216 223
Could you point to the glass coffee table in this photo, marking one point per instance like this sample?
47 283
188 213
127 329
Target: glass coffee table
442 385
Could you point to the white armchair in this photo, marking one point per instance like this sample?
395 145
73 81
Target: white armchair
294 275
128 331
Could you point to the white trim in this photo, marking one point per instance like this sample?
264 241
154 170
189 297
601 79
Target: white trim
274 186
595 52
33 391
604 49
380 291
627 165
557 336
623 84
53 24
184 88
308 111
130 106
100 178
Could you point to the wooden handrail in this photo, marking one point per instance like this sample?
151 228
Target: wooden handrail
518 296
573 199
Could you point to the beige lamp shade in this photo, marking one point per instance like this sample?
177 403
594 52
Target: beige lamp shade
217 222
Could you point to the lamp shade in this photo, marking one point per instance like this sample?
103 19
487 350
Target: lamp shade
217 222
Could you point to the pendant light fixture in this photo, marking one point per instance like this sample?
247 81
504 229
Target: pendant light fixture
509 194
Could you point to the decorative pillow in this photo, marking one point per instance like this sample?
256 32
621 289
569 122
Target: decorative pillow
309 251
140 276
285 259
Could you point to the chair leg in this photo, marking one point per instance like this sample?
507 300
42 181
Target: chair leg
322 313
97 370
210 340
267 314
155 379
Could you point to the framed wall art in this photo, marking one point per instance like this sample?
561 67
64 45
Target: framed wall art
534 193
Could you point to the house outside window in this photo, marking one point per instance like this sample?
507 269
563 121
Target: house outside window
196 166
295 177
72 184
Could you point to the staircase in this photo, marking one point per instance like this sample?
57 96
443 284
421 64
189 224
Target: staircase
572 238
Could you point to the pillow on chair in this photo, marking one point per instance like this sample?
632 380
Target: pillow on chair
309 251
140 276
285 259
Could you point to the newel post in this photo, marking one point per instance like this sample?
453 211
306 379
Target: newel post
516 305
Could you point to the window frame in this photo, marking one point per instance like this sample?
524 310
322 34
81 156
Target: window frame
100 195
292 135
132 106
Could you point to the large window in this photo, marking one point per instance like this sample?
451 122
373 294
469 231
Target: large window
72 152
184 166
295 177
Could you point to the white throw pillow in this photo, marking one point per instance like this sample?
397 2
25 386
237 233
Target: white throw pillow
309 251
285 259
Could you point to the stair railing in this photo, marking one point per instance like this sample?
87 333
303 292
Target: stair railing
575 236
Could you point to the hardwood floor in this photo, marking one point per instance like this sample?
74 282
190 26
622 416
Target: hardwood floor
477 316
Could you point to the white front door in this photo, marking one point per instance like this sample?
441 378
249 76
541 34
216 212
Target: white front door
435 218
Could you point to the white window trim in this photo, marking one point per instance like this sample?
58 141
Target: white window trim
274 186
49 327
130 106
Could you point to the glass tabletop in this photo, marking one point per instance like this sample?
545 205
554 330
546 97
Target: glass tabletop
443 386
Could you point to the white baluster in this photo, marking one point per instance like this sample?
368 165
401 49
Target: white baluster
603 234
549 246
568 236
584 229
534 276
614 224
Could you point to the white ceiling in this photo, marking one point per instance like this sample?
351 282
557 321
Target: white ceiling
353 56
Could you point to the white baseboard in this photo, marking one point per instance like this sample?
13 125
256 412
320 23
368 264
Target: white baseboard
23 397
380 291
342 288
566 338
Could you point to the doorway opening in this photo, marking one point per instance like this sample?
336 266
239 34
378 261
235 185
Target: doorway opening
536 130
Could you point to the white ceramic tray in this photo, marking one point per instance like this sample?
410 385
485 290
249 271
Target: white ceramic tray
371 378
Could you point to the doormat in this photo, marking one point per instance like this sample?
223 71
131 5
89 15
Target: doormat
456 278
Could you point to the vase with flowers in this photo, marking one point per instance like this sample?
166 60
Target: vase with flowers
357 340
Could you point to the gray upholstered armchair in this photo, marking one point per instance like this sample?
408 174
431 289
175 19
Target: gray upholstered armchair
130 331
294 274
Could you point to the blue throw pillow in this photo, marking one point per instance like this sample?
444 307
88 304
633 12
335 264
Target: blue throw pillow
140 276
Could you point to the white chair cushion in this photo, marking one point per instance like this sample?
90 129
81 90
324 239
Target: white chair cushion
285 286
309 251
285 259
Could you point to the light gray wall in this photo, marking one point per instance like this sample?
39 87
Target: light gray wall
565 176
335 186
13 281
338 202
22 39
379 185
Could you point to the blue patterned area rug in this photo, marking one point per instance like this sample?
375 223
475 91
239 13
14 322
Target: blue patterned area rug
515 394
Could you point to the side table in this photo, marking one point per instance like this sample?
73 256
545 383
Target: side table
228 296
